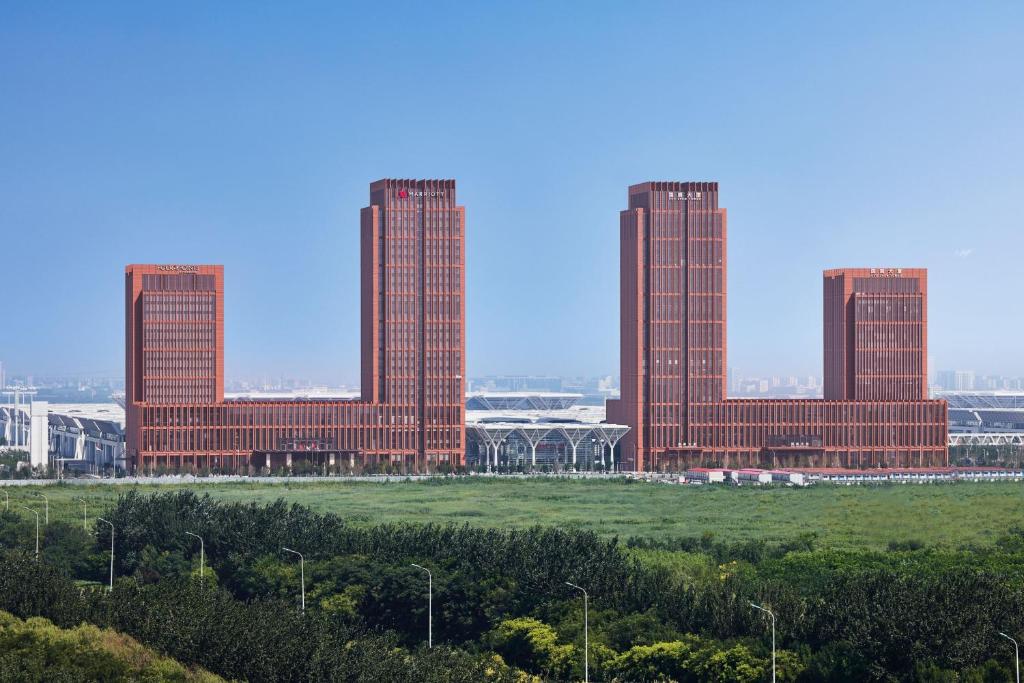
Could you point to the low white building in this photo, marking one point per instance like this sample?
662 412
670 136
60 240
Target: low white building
705 475
87 437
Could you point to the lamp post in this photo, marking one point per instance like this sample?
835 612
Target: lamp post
430 605
302 574
37 529
772 615
586 632
47 502
85 514
111 550
202 555
1016 654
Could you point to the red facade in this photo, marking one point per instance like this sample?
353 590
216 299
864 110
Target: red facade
673 351
411 412
174 334
673 356
876 334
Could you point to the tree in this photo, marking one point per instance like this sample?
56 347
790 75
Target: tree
533 645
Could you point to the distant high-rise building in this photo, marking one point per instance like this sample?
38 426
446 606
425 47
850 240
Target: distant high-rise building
876 334
964 380
956 380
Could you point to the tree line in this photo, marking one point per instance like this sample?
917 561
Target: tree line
501 607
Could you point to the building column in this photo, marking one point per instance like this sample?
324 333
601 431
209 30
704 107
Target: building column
573 444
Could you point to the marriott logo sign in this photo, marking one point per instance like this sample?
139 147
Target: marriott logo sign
405 194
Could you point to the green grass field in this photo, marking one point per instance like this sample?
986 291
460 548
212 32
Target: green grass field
842 517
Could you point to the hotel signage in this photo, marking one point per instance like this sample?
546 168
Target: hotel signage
179 269
405 194
685 196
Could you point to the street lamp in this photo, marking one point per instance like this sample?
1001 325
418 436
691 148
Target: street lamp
586 632
772 615
302 574
1016 653
430 605
47 501
37 530
111 550
85 514
202 554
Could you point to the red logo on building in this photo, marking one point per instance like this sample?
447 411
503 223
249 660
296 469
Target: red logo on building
403 194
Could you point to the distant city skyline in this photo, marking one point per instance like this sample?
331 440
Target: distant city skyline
173 134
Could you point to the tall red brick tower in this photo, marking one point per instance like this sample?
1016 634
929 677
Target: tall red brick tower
414 310
673 301
876 334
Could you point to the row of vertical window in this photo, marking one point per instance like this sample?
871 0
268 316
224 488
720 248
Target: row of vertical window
179 390
886 285
889 388
679 225
180 282
398 280
182 307
868 308
890 363
819 412
415 221
882 335
255 414
754 436
395 250
182 364
183 337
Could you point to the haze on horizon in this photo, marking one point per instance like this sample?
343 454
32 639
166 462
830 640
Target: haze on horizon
868 135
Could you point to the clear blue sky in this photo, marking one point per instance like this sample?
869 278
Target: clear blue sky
843 134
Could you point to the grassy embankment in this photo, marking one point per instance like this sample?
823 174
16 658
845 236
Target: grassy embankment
855 517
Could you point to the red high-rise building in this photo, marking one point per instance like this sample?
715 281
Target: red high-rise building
673 357
174 332
673 351
411 412
876 334
414 315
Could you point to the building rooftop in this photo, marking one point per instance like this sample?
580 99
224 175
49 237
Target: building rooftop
103 412
313 394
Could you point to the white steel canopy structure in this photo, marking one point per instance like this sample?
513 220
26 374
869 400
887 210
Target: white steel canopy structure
521 400
984 400
987 439
573 438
